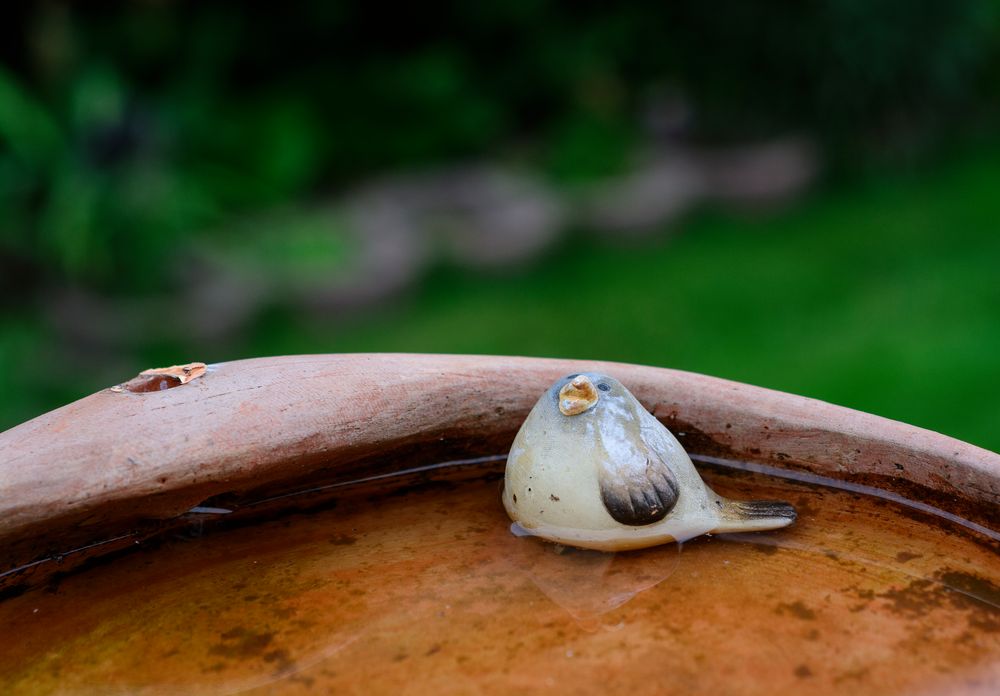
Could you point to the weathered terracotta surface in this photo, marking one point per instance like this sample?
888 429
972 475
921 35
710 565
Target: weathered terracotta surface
117 462
426 592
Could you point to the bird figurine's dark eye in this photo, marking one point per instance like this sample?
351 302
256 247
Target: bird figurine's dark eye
603 387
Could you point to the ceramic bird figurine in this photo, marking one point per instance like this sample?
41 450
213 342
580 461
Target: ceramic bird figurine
592 468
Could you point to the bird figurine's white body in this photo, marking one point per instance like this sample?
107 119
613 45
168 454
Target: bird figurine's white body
592 468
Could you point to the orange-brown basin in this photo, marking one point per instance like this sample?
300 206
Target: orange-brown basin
889 583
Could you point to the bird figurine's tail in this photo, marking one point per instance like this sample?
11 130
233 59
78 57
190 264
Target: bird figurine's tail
753 515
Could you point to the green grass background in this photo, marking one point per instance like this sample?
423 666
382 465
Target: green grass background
882 295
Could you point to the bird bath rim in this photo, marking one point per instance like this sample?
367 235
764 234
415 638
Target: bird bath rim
118 466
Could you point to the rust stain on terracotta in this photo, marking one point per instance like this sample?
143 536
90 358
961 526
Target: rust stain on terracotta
796 609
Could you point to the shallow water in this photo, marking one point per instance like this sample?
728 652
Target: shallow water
427 591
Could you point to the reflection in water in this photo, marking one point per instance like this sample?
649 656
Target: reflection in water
589 583
428 591
288 671
955 584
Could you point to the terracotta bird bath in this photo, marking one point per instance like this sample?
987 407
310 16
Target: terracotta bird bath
332 523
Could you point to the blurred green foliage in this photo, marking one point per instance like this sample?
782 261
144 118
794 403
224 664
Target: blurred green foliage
882 295
130 132
131 128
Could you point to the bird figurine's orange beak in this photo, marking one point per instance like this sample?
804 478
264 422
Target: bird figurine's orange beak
577 396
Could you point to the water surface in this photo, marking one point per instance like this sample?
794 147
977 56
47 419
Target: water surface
427 591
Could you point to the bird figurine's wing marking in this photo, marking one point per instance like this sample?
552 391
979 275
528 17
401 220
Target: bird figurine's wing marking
638 493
